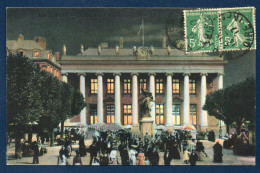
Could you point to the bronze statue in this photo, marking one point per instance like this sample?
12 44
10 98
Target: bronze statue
145 107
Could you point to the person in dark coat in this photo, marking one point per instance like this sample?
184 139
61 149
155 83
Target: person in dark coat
154 157
93 152
104 160
167 158
124 155
217 148
35 153
200 150
193 158
82 147
77 159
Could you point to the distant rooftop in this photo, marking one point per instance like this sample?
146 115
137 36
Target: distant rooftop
23 44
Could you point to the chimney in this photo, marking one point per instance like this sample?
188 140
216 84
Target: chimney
121 42
163 42
57 56
41 41
20 37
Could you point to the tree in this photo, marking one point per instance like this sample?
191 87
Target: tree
234 104
78 102
23 97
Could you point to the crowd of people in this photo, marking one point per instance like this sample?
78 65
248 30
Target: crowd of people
107 146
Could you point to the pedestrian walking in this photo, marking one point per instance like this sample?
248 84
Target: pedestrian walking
77 159
35 149
62 159
217 149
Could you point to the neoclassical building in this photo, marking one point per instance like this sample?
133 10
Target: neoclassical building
111 80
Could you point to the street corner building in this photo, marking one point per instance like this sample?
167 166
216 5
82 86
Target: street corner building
111 80
36 51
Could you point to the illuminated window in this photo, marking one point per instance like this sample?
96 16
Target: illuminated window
142 84
110 86
127 114
159 86
36 53
193 114
176 115
159 114
175 86
48 69
51 71
93 114
93 86
110 114
192 86
127 86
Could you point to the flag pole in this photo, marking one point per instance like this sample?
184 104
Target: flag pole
143 30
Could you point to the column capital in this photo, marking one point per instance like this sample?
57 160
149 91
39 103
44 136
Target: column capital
132 74
151 74
168 74
221 74
186 74
203 74
83 74
99 74
65 74
116 74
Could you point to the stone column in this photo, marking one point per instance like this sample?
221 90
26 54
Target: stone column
65 77
67 121
152 90
83 91
117 99
134 99
169 121
186 102
100 97
220 86
203 93
220 80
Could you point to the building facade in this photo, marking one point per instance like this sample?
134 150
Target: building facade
36 51
111 80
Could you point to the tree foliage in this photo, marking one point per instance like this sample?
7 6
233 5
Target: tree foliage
34 95
235 103
24 102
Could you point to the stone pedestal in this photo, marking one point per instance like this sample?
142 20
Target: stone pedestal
169 129
146 126
135 130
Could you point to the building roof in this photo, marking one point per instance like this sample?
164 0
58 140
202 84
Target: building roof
129 52
23 44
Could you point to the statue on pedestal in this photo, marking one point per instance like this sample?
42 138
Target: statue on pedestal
146 106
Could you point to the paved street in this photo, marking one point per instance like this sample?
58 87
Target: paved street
51 157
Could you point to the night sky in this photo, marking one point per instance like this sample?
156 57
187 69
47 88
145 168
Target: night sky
90 26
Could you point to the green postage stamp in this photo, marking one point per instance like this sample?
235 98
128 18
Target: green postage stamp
226 29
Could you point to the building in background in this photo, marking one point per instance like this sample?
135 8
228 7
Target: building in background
111 80
36 51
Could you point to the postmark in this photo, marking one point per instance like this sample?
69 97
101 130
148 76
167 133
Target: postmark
225 29
174 29
201 30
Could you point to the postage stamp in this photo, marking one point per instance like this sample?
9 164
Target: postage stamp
238 28
225 29
201 30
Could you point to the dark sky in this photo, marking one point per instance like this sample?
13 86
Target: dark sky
90 26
